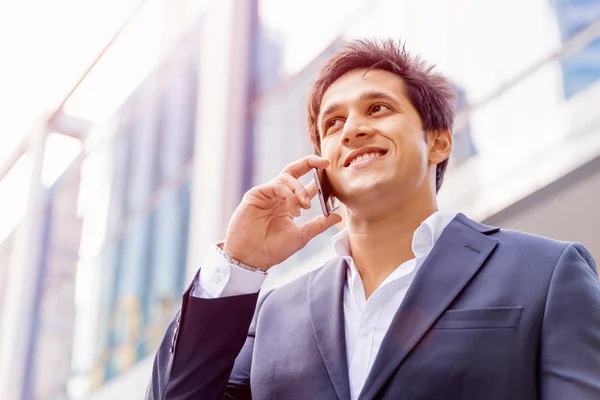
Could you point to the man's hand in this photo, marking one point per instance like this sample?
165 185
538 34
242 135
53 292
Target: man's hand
262 232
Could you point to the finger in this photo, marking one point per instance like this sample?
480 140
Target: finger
304 165
298 188
291 201
311 189
318 225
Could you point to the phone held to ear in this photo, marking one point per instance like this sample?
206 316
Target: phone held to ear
328 202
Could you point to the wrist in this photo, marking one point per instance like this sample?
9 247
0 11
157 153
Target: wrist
233 259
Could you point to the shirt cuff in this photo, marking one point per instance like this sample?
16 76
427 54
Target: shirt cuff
219 278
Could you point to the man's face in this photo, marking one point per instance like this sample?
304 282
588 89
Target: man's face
373 136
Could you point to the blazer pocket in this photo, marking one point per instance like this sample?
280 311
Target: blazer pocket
480 318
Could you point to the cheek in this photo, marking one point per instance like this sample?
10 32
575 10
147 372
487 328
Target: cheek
328 150
413 152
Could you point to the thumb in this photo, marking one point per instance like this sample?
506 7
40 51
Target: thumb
317 226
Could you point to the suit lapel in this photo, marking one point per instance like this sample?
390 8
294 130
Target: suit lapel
327 317
459 253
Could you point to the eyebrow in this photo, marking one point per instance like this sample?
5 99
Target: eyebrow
366 95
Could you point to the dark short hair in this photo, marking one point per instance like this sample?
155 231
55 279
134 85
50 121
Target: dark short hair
430 92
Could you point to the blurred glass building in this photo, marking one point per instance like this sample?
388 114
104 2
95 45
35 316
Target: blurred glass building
94 265
141 197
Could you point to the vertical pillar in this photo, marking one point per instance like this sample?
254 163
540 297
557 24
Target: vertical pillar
22 278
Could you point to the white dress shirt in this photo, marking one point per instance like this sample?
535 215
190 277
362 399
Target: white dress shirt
366 321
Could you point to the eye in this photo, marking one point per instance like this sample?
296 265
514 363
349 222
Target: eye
331 124
379 107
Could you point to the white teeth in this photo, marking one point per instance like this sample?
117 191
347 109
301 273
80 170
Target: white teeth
363 157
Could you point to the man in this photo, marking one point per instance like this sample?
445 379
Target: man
418 304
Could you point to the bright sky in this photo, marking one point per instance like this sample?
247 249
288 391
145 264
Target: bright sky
45 47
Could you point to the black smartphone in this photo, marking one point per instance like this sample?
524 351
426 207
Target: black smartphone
329 203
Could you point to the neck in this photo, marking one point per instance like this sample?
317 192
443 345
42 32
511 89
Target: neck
380 244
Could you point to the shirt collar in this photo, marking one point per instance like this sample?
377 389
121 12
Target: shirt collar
424 238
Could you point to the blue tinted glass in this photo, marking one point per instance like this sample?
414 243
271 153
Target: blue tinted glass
581 69
126 325
169 235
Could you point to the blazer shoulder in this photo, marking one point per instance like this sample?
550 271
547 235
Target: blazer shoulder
518 241
542 252
532 243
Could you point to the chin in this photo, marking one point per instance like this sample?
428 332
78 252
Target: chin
366 189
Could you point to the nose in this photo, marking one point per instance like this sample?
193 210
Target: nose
356 127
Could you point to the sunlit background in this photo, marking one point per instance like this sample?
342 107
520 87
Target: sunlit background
130 129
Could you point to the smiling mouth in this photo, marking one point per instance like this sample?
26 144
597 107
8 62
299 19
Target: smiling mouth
364 158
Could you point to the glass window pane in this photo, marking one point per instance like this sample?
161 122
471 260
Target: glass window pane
177 119
142 135
168 261
581 69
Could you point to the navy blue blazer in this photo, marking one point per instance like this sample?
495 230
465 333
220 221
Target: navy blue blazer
491 314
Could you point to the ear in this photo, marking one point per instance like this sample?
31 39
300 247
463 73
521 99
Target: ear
440 145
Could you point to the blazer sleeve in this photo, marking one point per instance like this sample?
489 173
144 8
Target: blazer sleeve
206 352
570 341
